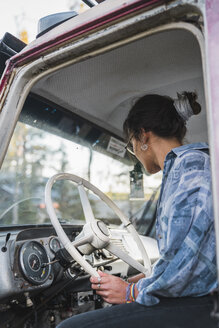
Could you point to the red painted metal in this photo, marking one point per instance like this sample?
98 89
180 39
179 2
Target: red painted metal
212 18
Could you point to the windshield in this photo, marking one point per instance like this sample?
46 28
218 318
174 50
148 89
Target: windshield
48 140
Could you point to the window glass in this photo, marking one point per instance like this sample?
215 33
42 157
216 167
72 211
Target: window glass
47 141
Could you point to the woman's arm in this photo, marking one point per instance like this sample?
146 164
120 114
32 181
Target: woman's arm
136 278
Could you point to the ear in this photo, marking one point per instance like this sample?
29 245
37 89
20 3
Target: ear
145 136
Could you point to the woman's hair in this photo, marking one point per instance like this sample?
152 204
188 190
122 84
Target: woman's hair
158 114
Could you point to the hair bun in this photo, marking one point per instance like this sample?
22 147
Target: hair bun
192 97
186 105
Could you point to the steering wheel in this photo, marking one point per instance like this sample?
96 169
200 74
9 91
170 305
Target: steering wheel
95 233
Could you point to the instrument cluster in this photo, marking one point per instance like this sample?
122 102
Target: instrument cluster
35 258
32 260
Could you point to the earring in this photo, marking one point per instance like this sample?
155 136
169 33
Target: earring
144 147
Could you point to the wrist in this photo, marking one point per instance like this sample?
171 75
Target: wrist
131 293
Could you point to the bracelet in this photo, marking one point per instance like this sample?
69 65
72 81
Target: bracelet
130 293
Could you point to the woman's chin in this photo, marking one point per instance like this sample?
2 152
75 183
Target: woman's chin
152 169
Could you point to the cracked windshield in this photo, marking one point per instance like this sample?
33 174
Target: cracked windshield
48 140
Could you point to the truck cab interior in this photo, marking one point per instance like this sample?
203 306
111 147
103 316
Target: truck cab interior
71 121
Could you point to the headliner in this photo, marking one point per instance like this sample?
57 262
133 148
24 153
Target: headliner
104 87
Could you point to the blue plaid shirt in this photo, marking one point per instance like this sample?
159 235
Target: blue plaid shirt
184 228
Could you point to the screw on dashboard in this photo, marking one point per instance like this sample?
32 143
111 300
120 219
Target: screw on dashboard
4 248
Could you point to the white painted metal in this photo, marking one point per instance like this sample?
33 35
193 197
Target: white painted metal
211 135
126 258
100 238
88 213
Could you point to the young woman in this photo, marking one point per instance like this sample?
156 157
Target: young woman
155 129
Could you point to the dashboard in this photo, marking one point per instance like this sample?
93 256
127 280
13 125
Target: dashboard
33 259
41 285
27 259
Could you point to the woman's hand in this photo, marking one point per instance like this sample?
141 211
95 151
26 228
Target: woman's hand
111 288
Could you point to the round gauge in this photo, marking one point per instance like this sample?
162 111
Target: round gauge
34 262
31 257
54 244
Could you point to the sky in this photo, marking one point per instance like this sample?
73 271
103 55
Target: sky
18 15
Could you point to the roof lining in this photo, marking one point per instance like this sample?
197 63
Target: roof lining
80 109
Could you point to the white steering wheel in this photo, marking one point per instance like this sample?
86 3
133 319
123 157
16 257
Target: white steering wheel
95 234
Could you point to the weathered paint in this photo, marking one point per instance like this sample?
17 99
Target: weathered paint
212 18
212 52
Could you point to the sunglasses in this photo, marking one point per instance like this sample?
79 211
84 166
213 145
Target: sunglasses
129 146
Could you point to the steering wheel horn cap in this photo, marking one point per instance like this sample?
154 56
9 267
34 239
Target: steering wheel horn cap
103 228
